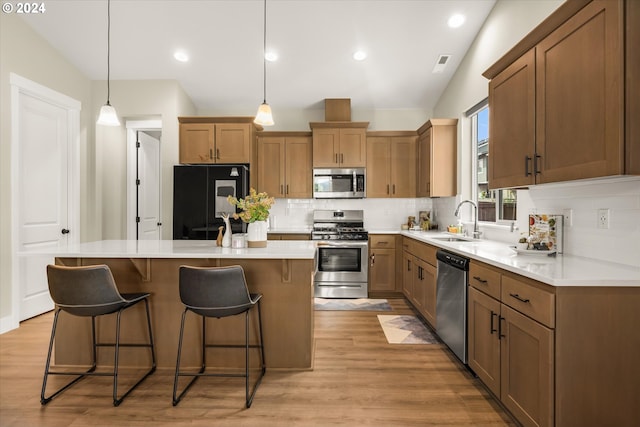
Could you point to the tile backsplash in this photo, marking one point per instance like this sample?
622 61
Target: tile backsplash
379 214
620 243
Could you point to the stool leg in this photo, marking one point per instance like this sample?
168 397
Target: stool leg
47 370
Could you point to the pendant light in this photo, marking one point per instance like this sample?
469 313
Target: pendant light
108 116
264 116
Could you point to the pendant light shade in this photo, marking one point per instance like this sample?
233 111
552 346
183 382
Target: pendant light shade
264 116
108 116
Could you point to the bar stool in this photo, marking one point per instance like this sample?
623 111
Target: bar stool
218 292
91 291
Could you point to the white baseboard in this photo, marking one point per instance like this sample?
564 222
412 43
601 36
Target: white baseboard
8 323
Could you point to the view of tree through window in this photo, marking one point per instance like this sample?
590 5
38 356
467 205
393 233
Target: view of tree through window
493 205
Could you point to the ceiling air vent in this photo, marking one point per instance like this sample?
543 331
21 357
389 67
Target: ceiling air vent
441 63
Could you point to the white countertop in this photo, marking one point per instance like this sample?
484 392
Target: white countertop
276 249
561 270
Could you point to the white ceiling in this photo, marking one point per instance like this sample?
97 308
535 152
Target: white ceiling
314 39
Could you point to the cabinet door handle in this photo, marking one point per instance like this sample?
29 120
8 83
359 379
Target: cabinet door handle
408 265
383 243
373 259
394 189
527 159
420 271
336 158
536 159
500 334
341 157
387 188
287 192
519 298
64 231
480 279
218 153
210 153
281 189
493 329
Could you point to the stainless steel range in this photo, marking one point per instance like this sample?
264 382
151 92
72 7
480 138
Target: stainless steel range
341 270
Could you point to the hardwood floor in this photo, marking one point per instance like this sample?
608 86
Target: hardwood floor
358 380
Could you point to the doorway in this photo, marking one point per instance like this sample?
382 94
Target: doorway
144 195
45 188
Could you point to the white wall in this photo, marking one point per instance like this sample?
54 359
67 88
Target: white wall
507 23
298 120
25 53
139 99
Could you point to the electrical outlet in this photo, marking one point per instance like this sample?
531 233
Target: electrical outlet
603 218
568 217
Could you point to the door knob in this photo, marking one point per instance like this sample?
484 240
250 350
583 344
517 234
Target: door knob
65 231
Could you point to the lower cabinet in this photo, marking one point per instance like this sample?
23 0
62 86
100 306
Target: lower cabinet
382 263
511 352
419 277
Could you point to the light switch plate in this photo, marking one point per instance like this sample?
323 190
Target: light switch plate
568 217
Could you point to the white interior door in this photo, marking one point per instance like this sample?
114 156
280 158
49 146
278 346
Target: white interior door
41 193
148 202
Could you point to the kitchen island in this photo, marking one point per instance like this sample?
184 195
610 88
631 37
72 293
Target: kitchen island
282 272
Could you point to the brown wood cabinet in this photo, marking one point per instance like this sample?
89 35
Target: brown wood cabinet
558 110
391 164
217 140
419 277
511 352
382 263
288 236
339 144
437 158
284 164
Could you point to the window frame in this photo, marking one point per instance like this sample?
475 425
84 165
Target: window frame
472 115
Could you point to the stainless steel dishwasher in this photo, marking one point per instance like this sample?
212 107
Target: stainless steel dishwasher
451 302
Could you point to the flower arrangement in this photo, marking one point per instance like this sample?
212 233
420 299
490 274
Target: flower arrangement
255 206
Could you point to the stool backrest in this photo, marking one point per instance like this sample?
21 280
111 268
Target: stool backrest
84 291
214 291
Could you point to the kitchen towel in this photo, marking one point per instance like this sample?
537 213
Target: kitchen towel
403 329
364 304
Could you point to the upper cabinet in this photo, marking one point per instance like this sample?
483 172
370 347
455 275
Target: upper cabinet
284 164
217 139
557 108
339 144
391 164
437 158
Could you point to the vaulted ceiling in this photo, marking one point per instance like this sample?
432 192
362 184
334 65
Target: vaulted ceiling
314 40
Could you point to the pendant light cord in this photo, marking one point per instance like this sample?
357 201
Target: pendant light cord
108 50
264 54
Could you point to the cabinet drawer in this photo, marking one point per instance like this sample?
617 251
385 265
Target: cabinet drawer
426 253
529 300
382 241
485 279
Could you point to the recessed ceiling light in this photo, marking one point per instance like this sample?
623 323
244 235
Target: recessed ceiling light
181 56
359 55
456 20
271 56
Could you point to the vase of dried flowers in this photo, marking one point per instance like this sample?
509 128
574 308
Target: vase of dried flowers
255 211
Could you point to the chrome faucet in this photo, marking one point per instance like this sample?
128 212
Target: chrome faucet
476 232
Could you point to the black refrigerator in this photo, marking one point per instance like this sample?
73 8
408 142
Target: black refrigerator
200 198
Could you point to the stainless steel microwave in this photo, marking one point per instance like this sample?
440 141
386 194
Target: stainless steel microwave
339 183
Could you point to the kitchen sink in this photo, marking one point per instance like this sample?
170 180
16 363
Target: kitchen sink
452 239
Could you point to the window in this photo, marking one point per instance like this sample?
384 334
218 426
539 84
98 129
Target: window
493 205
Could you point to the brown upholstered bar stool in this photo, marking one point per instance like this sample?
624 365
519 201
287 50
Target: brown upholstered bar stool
218 292
91 291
